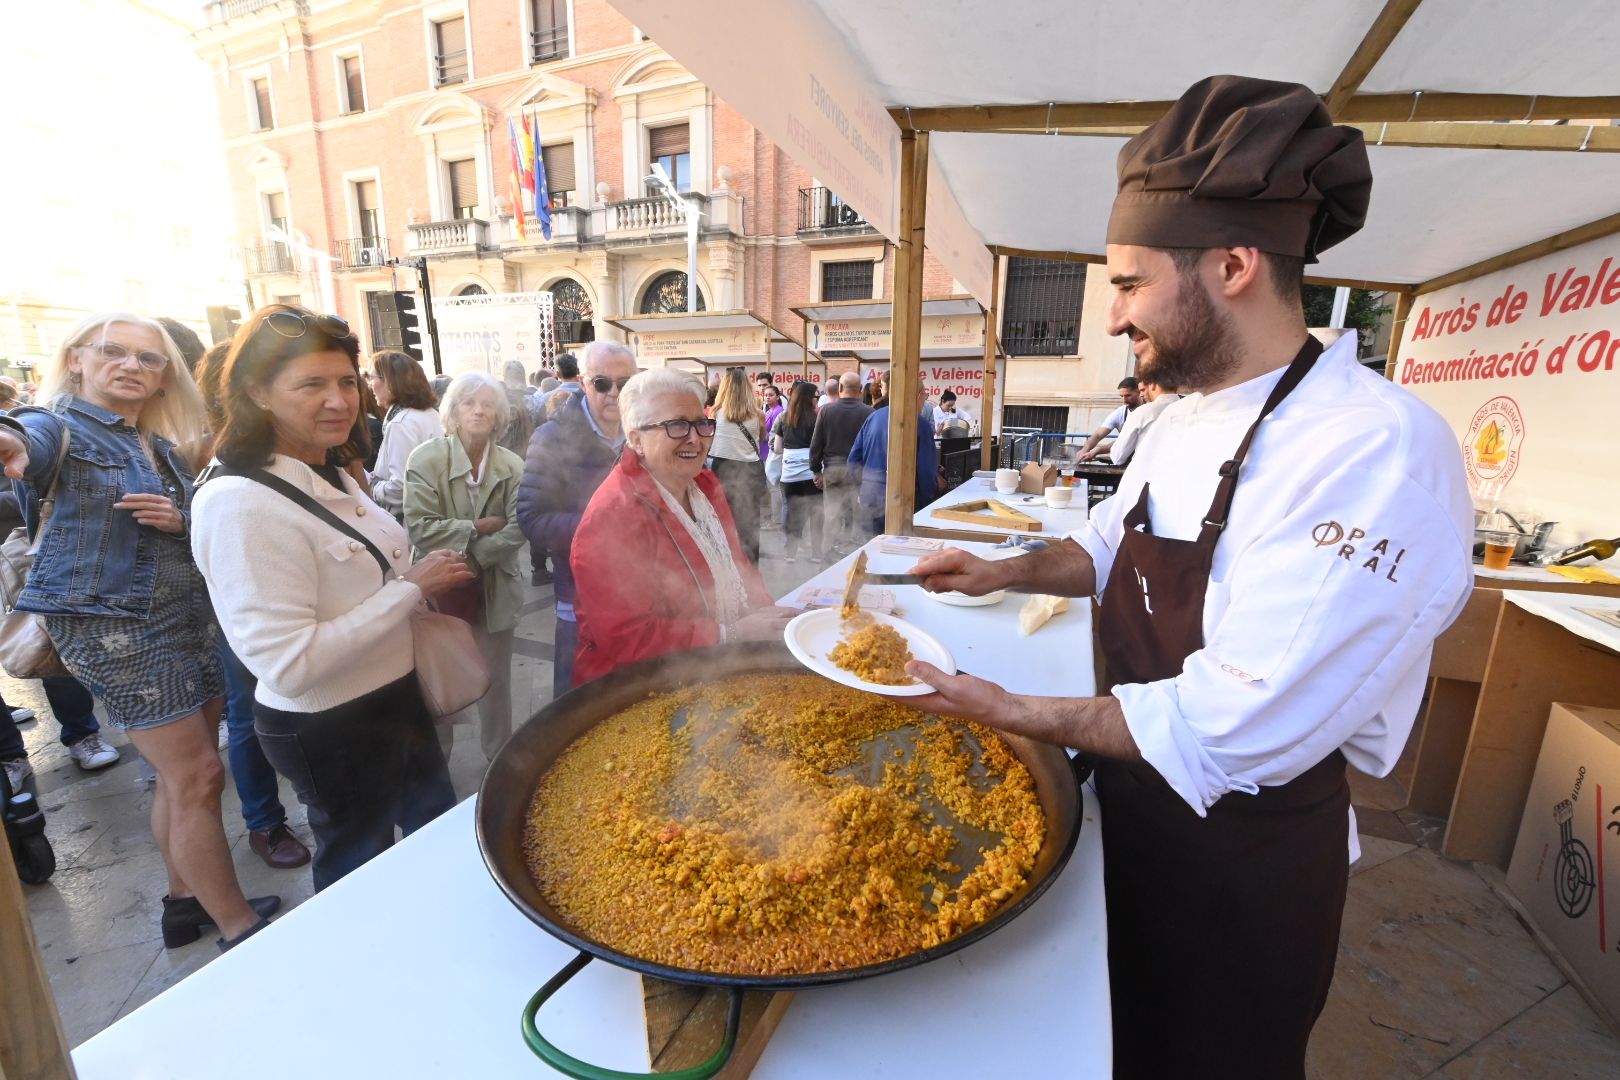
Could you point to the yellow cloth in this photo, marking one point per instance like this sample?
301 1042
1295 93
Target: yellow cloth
1590 575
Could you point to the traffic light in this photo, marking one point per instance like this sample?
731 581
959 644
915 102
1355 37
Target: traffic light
398 325
223 322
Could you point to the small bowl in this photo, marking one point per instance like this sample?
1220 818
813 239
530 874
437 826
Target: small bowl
1059 497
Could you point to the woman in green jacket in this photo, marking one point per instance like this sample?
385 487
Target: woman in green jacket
461 493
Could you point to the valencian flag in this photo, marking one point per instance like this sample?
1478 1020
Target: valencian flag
528 155
518 188
542 194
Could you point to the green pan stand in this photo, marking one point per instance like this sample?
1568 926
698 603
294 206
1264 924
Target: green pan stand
569 1065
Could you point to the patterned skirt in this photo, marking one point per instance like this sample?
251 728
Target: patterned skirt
152 671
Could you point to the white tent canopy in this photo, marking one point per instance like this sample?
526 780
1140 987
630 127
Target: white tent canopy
990 83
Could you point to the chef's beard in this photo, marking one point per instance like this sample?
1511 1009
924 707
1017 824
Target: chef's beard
1197 347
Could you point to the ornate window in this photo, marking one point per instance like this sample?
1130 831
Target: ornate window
666 294
573 312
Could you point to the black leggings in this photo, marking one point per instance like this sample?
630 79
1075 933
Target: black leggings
361 768
744 485
800 509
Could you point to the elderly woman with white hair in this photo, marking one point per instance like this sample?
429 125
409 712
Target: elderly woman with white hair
461 495
658 566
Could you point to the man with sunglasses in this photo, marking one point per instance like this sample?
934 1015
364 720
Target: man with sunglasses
569 457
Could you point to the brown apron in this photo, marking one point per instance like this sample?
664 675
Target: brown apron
1222 930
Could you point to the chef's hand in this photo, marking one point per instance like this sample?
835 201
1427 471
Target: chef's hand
763 625
965 696
955 569
438 572
157 511
13 454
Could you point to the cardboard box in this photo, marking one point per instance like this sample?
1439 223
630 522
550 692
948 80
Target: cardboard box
1034 479
1566 863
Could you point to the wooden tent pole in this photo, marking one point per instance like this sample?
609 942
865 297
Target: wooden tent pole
906 340
1403 308
992 329
804 346
32 1043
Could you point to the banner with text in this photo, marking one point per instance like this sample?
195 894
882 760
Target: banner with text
481 333
1523 364
961 377
740 341
964 333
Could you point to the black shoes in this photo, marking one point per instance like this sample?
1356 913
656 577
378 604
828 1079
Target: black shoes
183 919
227 946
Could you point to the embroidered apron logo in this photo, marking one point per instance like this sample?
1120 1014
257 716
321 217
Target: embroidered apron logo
1377 559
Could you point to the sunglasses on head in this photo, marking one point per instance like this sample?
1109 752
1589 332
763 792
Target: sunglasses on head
602 384
293 324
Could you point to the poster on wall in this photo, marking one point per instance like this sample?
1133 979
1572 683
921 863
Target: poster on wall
703 344
965 332
1525 366
482 332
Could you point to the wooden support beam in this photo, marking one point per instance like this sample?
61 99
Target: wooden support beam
992 329
1403 308
1568 138
1592 230
1060 256
905 373
1379 37
32 1044
1067 117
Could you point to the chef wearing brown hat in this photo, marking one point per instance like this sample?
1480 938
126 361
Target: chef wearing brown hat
1287 542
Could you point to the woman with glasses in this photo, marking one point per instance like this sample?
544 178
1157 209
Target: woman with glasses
658 566
739 435
122 599
294 553
410 418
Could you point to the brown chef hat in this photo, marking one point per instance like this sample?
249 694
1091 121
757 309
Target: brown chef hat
1240 162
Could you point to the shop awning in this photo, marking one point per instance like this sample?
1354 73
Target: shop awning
952 326
711 339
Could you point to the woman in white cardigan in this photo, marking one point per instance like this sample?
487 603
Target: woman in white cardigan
307 607
411 419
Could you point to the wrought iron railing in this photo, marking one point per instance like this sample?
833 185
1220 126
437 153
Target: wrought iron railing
575 331
1041 336
269 259
550 43
450 67
821 208
359 253
459 234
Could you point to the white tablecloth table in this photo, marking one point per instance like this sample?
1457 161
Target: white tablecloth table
1054 522
416 965
1570 610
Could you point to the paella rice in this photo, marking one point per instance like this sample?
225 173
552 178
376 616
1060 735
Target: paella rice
773 825
872 651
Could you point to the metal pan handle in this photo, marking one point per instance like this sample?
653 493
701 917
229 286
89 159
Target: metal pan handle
569 1065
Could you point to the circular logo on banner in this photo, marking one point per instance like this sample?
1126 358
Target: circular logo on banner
1491 444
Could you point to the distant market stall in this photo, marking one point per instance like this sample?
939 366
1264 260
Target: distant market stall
706 340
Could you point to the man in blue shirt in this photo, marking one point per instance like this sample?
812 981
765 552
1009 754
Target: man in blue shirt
869 458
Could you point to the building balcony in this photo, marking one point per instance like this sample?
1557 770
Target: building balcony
361 253
570 227
458 236
223 11
823 216
654 220
269 259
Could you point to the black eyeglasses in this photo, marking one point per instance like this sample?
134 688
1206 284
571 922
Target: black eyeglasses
602 384
114 353
293 325
680 429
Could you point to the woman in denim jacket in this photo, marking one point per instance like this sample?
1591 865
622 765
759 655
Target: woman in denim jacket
122 599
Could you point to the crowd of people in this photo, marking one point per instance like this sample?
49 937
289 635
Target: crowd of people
232 544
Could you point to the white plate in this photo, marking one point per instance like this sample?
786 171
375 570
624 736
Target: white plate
962 599
811 636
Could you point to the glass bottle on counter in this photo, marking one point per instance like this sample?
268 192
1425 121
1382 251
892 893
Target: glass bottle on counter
1598 549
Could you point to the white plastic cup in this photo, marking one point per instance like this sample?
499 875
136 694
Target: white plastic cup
1006 480
1059 497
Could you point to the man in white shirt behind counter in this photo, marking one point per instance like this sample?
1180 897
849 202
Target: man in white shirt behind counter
1264 620
1156 399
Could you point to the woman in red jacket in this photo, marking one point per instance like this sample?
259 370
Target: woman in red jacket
657 563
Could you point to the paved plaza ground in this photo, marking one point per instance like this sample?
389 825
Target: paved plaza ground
1437 976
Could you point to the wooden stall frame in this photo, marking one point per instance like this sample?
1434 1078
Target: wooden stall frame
33 1045
905 374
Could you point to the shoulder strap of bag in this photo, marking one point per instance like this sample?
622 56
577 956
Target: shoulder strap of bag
308 502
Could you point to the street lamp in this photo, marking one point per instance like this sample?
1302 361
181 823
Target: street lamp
690 214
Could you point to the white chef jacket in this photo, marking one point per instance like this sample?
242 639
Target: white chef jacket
1347 551
1136 424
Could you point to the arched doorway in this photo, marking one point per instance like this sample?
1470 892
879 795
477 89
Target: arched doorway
573 313
473 289
666 294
